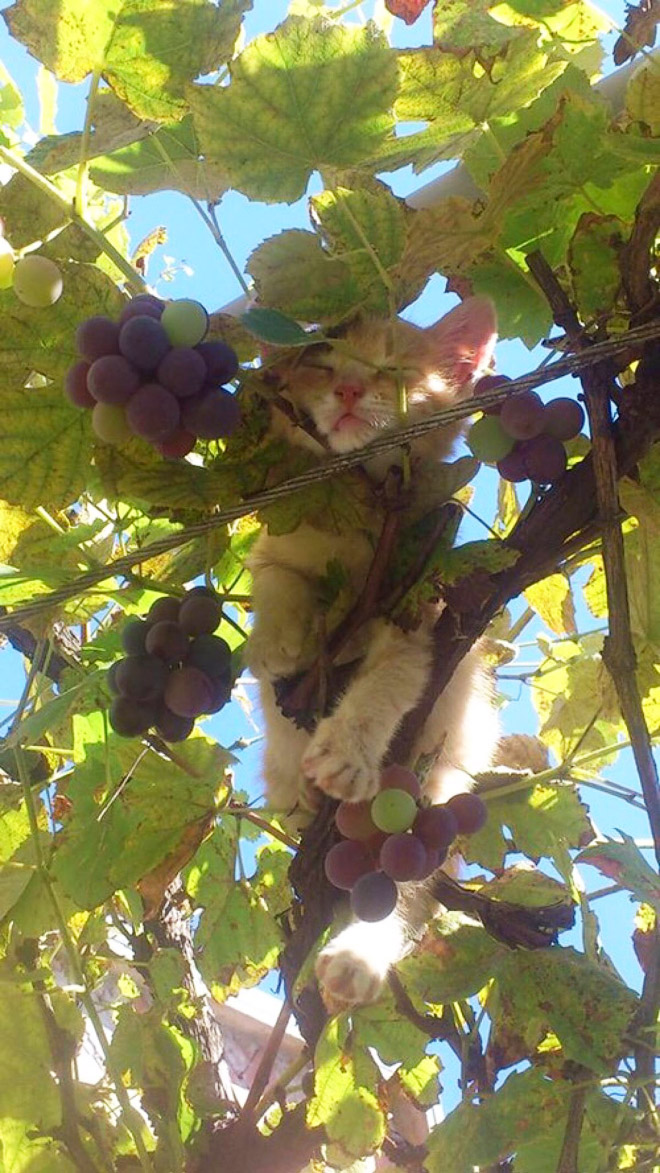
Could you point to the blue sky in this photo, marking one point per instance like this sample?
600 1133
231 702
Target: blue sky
201 271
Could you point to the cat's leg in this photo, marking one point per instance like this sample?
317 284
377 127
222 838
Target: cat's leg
287 789
345 754
282 638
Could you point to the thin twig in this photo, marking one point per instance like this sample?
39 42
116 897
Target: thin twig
570 1149
268 1057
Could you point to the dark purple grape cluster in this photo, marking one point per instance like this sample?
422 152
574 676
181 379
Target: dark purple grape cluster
175 669
151 374
395 837
523 436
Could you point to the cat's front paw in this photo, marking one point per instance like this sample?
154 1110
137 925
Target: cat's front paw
346 977
273 654
340 762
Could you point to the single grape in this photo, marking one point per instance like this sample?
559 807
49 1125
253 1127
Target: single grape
220 360
143 341
111 677
7 264
211 415
167 641
75 385
200 614
212 655
110 424
403 857
97 337
188 692
182 371
134 635
523 416
436 826
37 281
393 810
145 304
513 467
171 726
166 607
490 383
353 820
374 897
111 379
185 322
563 418
434 859
346 862
220 694
488 441
545 459
397 777
128 718
153 412
141 678
470 812
177 445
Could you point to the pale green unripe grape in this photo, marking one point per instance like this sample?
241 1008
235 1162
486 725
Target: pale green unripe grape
37 281
488 441
110 423
393 811
185 322
7 264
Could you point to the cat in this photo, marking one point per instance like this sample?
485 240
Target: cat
349 392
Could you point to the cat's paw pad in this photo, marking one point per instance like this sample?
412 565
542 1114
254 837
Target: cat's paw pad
340 764
270 655
346 978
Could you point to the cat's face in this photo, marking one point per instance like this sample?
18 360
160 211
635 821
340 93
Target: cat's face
350 388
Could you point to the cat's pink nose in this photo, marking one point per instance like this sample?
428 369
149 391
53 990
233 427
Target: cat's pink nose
349 392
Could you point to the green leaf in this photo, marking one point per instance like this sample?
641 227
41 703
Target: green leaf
594 263
23 1152
27 1089
12 113
367 230
522 310
312 95
293 272
552 600
539 818
46 449
643 97
345 1098
575 688
169 160
401 1043
457 960
336 505
275 327
522 884
625 863
136 45
154 1055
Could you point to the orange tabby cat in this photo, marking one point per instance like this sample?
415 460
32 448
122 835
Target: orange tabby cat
349 390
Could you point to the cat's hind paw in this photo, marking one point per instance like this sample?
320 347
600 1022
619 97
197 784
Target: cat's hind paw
273 655
339 762
346 978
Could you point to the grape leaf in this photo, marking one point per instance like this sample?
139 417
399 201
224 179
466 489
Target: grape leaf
169 160
345 1097
399 1042
311 95
293 272
539 818
46 449
408 10
275 327
593 259
23 1152
367 230
456 959
624 863
552 600
643 98
27 1088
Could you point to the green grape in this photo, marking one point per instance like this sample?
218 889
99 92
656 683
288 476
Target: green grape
393 810
37 281
110 423
185 322
7 264
488 441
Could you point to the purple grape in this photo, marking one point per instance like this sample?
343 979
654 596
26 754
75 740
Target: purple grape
220 360
129 718
145 304
513 467
436 827
353 820
212 655
97 337
166 607
178 445
396 777
112 379
403 857
143 341
545 459
75 385
490 383
166 640
346 862
133 637
220 694
434 860
522 416
141 678
111 678
188 692
211 415
563 418
470 812
171 726
374 897
182 371
200 614
153 412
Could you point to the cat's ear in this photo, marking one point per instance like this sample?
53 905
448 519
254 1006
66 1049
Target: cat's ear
465 338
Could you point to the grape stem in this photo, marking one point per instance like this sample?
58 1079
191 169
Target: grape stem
80 201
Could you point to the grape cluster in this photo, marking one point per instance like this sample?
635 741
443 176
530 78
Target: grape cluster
523 436
395 837
151 374
175 668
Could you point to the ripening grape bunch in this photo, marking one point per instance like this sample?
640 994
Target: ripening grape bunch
523 436
151 374
395 837
175 669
